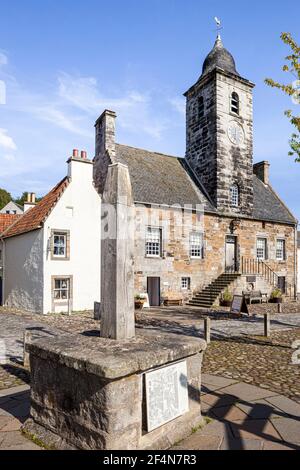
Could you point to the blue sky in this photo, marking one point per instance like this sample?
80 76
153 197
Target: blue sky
64 62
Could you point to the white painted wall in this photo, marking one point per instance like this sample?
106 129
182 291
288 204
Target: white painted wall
78 210
12 208
23 271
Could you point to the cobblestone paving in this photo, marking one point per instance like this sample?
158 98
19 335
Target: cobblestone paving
237 349
257 361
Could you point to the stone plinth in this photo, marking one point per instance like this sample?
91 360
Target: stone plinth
89 393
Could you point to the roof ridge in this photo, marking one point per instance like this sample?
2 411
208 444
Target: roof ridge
33 218
150 151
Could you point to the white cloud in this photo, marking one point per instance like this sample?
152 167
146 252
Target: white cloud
3 59
9 157
178 104
6 141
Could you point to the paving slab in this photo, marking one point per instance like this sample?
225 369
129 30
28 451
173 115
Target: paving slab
11 439
228 413
241 444
247 392
259 409
289 429
285 404
216 381
196 442
255 429
13 424
269 445
218 400
14 390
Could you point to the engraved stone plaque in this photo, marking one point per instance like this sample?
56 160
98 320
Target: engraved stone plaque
166 394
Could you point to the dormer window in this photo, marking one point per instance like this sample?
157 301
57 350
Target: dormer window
235 103
234 195
201 107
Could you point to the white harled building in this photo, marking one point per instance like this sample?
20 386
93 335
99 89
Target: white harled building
51 254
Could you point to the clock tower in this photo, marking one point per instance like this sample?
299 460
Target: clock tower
219 121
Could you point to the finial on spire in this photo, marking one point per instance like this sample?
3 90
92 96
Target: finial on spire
219 27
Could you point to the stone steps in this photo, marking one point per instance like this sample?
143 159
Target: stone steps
210 294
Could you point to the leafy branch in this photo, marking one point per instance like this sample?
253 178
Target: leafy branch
292 90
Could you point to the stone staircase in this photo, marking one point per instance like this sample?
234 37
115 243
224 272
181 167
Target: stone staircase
210 294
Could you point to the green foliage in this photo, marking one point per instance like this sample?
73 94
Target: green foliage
227 295
5 198
20 200
276 294
292 90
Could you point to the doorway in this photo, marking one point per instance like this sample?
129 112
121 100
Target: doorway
231 254
153 289
282 284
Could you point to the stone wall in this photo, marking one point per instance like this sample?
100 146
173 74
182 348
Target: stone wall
100 404
176 262
216 160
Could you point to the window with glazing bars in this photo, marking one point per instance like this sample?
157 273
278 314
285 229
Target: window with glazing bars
261 249
61 289
234 195
153 242
280 250
196 245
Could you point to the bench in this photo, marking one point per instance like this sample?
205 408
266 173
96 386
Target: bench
255 296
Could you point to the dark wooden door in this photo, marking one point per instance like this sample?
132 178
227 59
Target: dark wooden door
282 284
153 287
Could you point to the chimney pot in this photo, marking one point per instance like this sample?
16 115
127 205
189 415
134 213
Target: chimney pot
75 153
83 154
262 170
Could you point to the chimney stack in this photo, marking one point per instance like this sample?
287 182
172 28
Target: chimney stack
31 201
105 133
262 170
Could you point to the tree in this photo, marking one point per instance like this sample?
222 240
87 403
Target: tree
20 200
5 198
292 90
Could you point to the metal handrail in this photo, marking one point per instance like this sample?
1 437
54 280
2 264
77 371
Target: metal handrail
257 266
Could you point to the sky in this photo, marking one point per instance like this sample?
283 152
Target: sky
62 63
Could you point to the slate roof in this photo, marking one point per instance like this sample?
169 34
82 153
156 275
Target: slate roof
219 57
161 179
34 218
6 220
268 206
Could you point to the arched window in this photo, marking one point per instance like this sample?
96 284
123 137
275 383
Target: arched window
235 103
234 195
201 107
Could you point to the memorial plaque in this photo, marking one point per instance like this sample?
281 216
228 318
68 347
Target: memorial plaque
166 394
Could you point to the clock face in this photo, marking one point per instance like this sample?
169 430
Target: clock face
236 133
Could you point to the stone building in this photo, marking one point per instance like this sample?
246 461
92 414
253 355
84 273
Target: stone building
211 219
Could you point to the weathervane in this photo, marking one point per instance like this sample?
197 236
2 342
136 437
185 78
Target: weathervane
219 25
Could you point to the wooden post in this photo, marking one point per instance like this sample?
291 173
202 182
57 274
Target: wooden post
27 340
207 327
267 325
117 255
279 308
